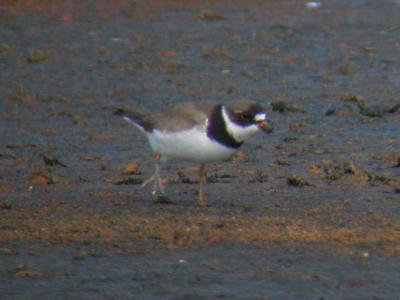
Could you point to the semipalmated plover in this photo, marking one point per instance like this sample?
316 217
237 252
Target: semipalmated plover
197 132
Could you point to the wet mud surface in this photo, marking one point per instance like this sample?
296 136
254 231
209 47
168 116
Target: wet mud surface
310 211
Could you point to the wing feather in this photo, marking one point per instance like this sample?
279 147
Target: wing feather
180 117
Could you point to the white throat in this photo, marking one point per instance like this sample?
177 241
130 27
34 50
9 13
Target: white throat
239 133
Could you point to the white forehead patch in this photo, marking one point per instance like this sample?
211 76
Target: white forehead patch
260 117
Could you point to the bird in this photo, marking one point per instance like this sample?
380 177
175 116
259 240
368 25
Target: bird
197 132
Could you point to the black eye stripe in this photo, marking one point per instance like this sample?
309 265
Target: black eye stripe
247 116
244 116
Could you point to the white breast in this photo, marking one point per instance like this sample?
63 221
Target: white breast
191 145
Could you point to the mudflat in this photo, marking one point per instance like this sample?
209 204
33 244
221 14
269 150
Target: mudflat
310 211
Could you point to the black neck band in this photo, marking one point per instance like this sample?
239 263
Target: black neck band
217 130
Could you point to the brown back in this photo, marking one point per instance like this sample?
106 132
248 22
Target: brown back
179 117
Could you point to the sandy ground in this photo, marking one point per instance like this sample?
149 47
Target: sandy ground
310 211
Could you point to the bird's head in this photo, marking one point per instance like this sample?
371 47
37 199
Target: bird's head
245 117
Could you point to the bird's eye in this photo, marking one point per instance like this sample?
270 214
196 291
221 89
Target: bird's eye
246 117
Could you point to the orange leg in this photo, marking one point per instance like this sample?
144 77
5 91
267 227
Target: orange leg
202 200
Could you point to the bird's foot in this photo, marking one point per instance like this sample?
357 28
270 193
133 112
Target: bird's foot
157 185
201 199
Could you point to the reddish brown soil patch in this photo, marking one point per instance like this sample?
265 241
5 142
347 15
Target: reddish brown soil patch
63 223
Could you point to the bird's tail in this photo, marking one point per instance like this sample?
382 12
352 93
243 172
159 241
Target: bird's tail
132 117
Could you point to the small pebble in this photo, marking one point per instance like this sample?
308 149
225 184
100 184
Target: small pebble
313 4
182 261
6 204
